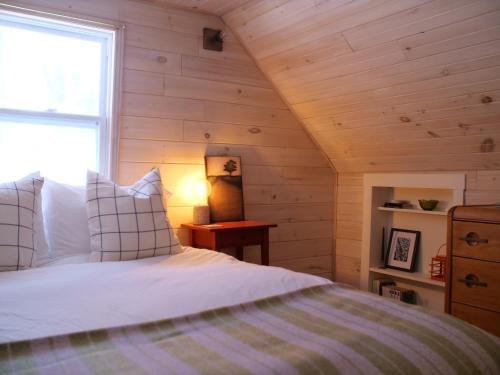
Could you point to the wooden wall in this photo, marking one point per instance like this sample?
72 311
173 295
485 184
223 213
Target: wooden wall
385 86
181 102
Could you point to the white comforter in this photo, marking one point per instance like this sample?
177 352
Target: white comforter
73 297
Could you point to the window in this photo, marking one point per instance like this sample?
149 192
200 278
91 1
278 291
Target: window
55 97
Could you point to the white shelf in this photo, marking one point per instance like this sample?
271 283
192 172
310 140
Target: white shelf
379 188
413 211
407 276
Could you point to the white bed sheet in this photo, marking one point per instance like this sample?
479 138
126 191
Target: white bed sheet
74 297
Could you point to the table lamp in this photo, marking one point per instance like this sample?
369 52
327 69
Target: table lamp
201 211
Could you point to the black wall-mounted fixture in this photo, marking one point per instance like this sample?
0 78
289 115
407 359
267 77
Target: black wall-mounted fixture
212 39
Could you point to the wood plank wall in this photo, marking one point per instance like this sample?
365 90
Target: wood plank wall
181 102
385 86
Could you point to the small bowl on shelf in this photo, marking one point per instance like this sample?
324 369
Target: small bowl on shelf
428 204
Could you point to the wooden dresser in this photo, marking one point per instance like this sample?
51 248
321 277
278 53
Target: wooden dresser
473 276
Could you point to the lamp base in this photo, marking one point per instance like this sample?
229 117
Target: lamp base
201 215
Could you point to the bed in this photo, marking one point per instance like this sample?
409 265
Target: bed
205 312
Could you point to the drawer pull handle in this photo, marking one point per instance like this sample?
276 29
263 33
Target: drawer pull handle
473 281
473 239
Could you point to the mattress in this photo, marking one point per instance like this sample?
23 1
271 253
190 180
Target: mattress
202 312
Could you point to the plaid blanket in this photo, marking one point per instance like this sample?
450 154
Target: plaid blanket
320 330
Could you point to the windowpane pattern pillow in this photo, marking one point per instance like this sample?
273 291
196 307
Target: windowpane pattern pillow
19 201
128 223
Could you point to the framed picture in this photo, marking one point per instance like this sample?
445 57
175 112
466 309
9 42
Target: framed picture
226 188
402 249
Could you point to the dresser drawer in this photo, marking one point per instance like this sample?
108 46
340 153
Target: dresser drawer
241 238
476 283
485 319
476 240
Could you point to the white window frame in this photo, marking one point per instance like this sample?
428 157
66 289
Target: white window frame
111 39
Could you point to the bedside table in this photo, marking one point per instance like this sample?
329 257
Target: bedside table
237 234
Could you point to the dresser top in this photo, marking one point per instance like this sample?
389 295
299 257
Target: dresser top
490 213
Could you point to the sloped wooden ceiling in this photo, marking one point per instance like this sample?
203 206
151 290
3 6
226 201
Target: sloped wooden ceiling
383 85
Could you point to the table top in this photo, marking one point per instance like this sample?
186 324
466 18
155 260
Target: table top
230 225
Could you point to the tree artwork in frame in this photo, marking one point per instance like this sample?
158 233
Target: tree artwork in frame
402 249
226 191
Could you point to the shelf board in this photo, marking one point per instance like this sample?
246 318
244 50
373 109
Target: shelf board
413 211
407 276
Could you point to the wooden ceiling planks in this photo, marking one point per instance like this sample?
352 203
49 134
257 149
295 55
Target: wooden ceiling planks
385 85
381 84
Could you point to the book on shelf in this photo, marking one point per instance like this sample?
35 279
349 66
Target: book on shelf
399 294
379 283
398 204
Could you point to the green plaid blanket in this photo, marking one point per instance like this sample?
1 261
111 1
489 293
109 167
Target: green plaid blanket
320 330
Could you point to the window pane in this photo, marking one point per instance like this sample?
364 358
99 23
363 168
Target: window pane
40 71
62 153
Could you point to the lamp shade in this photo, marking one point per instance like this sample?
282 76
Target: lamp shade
201 215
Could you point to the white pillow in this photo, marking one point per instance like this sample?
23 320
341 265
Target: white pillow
128 223
19 203
41 246
65 215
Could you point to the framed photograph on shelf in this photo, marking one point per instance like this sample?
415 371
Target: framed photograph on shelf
402 250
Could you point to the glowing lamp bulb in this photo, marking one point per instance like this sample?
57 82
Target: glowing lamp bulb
201 191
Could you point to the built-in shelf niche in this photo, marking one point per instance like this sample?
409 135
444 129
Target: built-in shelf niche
382 187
